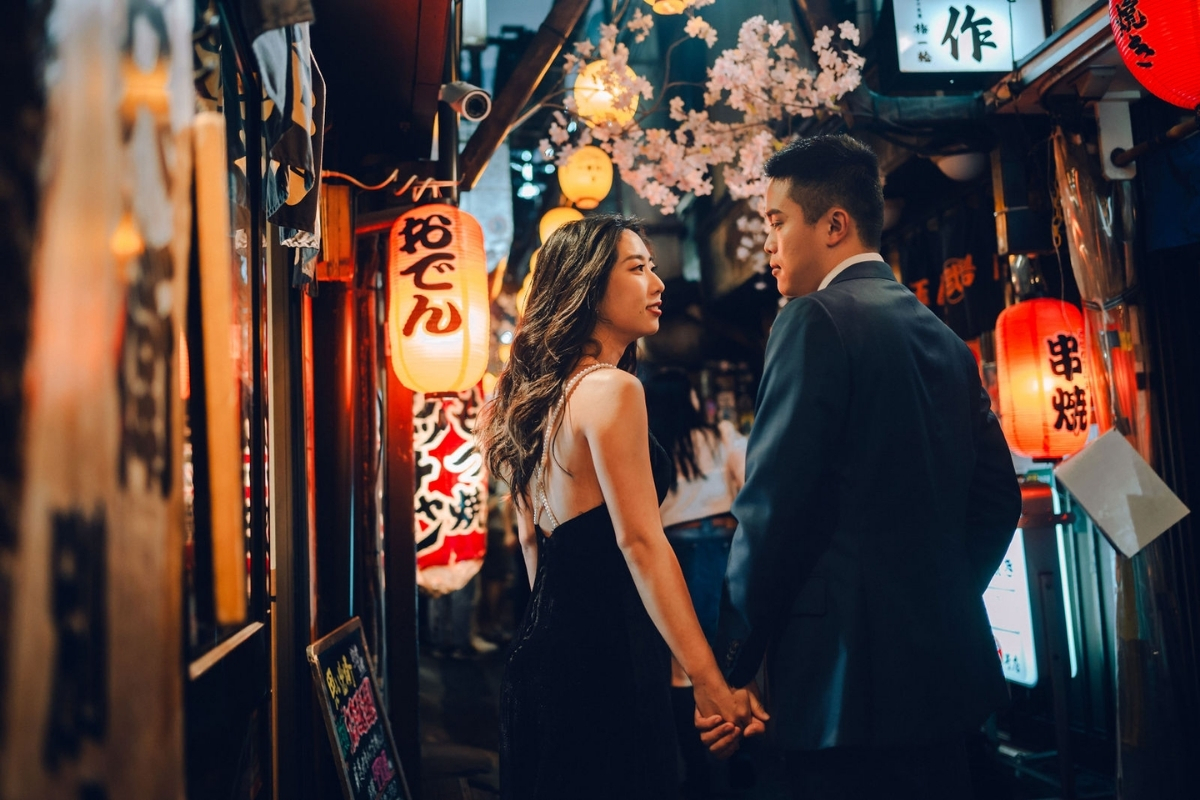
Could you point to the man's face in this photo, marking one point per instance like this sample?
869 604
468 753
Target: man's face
793 244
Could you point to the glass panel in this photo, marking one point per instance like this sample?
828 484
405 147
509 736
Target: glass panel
219 87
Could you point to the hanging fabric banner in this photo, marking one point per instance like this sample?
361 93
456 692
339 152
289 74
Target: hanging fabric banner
451 490
1098 216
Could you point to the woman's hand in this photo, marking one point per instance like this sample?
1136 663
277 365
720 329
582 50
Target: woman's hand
724 737
728 712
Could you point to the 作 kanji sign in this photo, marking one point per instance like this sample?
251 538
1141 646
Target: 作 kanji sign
957 36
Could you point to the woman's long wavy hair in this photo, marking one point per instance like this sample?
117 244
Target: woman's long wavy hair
561 312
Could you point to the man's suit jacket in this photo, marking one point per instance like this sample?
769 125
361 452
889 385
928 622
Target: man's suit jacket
880 497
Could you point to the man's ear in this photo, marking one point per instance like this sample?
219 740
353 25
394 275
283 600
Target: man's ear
839 226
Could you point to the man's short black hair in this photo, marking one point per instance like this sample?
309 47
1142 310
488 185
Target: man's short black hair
827 171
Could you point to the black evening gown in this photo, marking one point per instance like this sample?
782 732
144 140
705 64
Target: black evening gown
585 705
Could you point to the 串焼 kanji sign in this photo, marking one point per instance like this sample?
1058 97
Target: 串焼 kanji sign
1045 408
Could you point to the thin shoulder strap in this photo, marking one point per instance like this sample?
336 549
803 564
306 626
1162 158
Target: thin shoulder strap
551 421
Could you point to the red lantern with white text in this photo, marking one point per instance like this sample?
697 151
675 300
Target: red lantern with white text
438 311
1045 409
1159 41
450 501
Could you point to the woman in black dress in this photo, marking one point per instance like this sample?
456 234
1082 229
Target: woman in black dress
585 704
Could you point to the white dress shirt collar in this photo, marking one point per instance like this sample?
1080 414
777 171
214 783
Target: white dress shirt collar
849 262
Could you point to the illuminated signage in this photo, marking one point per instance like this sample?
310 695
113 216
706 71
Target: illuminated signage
957 36
1009 610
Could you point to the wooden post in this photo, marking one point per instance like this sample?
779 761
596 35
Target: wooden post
401 560
221 388
544 48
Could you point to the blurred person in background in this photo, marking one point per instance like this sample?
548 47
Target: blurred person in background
709 468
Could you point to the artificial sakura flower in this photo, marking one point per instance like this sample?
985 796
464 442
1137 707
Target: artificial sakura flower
849 31
763 79
641 24
697 28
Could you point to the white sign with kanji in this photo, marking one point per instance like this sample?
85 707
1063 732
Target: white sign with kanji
1011 615
958 36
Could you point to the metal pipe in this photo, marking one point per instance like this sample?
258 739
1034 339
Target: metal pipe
1122 157
447 169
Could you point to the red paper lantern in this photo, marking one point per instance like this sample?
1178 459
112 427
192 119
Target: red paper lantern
450 501
439 314
1159 42
1040 367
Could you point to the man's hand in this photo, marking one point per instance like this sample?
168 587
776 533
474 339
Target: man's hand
759 715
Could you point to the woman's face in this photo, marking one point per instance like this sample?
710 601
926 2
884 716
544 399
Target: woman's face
633 302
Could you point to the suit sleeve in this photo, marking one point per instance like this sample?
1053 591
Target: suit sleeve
800 411
994 498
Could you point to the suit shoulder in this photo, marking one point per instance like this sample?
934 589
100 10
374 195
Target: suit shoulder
808 316
809 310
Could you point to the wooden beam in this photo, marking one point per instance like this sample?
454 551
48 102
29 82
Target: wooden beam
507 106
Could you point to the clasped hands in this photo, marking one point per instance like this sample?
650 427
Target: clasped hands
725 717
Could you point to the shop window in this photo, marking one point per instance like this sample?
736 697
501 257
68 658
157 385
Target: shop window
220 87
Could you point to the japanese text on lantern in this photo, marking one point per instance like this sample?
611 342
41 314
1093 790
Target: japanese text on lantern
1130 19
1070 405
431 233
438 313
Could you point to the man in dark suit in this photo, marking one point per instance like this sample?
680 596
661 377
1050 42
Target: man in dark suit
879 499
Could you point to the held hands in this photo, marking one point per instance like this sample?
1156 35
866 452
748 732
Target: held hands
724 719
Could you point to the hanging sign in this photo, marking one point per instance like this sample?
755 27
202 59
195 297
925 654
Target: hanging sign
953 36
451 493
1010 614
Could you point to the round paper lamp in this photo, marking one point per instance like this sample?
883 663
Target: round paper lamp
1159 41
438 312
962 167
667 7
595 95
587 176
1045 406
555 218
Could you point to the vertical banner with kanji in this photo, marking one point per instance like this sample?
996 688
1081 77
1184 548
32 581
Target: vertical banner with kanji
95 693
451 490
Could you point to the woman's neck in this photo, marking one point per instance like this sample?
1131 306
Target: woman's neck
612 348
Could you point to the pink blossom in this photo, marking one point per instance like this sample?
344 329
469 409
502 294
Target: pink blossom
763 79
849 32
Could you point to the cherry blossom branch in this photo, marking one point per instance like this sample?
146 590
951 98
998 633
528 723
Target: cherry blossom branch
763 79
662 93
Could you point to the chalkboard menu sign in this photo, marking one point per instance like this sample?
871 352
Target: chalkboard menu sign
355 716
